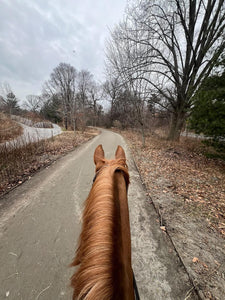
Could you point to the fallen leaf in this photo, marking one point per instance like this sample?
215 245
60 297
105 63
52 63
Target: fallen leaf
195 260
204 265
163 228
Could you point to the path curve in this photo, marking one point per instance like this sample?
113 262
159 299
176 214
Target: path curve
33 134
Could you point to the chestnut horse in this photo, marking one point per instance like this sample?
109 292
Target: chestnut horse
103 255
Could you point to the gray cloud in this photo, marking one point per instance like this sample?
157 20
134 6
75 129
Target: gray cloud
37 35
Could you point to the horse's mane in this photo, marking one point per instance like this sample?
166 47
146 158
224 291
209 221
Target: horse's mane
96 253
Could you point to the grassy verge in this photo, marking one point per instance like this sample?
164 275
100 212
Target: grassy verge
17 164
9 129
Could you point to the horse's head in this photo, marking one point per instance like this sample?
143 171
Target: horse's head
100 161
118 164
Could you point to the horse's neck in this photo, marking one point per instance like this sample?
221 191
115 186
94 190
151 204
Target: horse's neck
104 252
123 278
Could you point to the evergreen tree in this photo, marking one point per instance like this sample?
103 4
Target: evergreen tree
52 110
11 103
208 113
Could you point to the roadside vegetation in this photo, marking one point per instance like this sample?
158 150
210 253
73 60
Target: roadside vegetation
188 173
9 129
187 190
18 164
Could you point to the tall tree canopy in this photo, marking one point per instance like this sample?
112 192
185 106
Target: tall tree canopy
71 96
173 45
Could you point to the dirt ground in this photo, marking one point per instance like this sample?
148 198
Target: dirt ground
188 192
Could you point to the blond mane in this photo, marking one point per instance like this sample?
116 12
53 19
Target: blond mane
98 254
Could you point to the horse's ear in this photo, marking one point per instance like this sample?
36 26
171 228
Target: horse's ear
120 154
99 156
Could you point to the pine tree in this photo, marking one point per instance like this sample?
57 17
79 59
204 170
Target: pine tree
208 113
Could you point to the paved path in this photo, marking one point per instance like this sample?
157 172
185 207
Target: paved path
40 224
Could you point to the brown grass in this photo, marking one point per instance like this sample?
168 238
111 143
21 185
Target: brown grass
9 129
17 164
186 171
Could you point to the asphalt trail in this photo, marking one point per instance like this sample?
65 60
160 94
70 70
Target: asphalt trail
40 225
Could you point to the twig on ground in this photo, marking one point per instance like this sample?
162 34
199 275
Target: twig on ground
45 289
188 294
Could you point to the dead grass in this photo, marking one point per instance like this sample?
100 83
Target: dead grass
17 164
9 129
197 180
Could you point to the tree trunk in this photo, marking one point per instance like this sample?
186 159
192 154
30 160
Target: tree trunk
66 122
74 125
143 135
177 123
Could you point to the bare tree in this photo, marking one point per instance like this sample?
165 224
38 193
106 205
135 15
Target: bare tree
62 83
85 81
96 94
111 91
5 88
172 45
120 59
33 103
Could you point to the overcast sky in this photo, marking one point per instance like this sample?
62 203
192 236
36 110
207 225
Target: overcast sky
36 35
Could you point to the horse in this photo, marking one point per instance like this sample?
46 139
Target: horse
103 255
